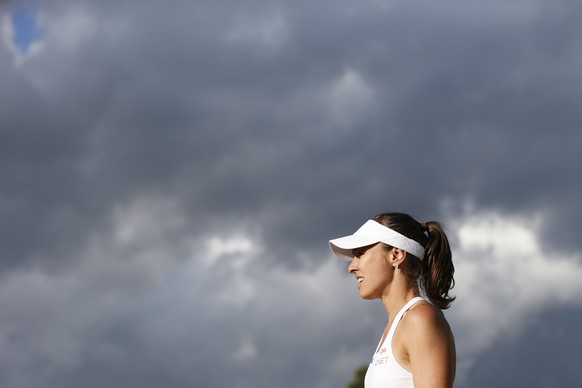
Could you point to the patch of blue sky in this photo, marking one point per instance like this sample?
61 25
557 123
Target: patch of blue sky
25 25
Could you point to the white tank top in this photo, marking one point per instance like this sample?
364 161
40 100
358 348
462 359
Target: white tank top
384 371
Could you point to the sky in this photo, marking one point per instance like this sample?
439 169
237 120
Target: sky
171 173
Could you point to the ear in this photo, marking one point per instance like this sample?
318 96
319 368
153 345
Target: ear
398 256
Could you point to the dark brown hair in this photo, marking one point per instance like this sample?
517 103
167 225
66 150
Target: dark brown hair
434 273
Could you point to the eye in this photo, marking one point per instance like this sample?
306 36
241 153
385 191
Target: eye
360 251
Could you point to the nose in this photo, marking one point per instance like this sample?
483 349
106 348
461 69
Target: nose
353 267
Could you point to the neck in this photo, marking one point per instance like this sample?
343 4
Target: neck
397 295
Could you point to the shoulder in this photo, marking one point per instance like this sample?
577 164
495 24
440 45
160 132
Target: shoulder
425 326
428 346
424 315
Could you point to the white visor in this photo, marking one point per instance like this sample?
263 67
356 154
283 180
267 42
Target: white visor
370 233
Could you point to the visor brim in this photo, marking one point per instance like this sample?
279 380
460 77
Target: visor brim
342 247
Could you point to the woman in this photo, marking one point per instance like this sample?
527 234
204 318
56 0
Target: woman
394 258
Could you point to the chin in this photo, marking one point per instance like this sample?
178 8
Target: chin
370 294
366 296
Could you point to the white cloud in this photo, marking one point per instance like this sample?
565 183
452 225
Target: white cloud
246 352
145 219
350 96
7 30
269 31
218 246
69 29
504 276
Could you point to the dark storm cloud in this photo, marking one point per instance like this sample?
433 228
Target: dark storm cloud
140 130
151 104
547 334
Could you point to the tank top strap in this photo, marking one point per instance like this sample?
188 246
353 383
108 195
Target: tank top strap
398 317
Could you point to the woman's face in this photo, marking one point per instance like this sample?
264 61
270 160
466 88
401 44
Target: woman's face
371 267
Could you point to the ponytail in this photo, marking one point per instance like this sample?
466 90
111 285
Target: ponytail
437 266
